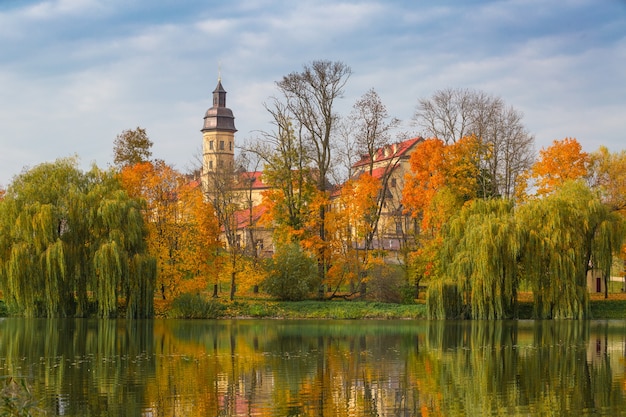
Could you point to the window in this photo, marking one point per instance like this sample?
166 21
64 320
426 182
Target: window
220 163
221 145
230 146
210 164
211 145
393 182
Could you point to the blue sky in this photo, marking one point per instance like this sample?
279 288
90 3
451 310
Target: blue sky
75 73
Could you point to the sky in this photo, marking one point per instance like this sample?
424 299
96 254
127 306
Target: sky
76 73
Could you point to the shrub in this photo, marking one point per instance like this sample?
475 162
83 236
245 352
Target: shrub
386 284
195 306
292 274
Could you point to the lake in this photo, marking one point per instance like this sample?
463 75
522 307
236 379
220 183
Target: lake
315 368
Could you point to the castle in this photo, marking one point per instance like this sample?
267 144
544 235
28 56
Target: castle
388 164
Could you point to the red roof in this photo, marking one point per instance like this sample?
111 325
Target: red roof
388 152
242 217
256 177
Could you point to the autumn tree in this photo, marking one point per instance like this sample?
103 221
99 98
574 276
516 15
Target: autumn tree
607 172
349 226
131 147
442 178
435 167
564 160
287 172
371 128
182 229
506 146
309 97
221 191
70 238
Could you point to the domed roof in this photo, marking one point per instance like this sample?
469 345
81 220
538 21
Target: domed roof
219 117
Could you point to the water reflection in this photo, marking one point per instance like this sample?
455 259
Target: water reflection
325 368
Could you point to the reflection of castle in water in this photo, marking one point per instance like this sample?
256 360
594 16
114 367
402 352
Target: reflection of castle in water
605 345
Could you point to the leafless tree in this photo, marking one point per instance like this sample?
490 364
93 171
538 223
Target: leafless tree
310 98
507 150
371 124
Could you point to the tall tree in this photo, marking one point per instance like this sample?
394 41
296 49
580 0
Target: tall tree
131 147
310 98
227 200
68 234
372 126
506 146
182 230
287 171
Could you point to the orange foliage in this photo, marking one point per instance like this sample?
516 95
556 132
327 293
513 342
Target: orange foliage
182 228
436 167
562 161
426 176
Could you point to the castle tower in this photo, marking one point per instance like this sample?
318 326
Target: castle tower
218 136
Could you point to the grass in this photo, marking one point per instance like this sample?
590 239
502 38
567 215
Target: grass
258 307
314 309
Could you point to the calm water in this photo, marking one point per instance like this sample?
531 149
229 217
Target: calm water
318 368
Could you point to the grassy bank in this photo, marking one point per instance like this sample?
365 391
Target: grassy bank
325 310
258 307
612 308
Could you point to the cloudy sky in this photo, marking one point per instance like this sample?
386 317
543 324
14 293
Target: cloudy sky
75 73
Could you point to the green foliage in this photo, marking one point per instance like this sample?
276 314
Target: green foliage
565 233
65 235
195 306
482 246
490 249
444 301
292 274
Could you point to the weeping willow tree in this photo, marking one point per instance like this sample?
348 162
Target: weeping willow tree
567 233
479 257
70 240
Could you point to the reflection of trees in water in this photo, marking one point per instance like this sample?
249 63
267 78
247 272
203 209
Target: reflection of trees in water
279 368
485 368
80 367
